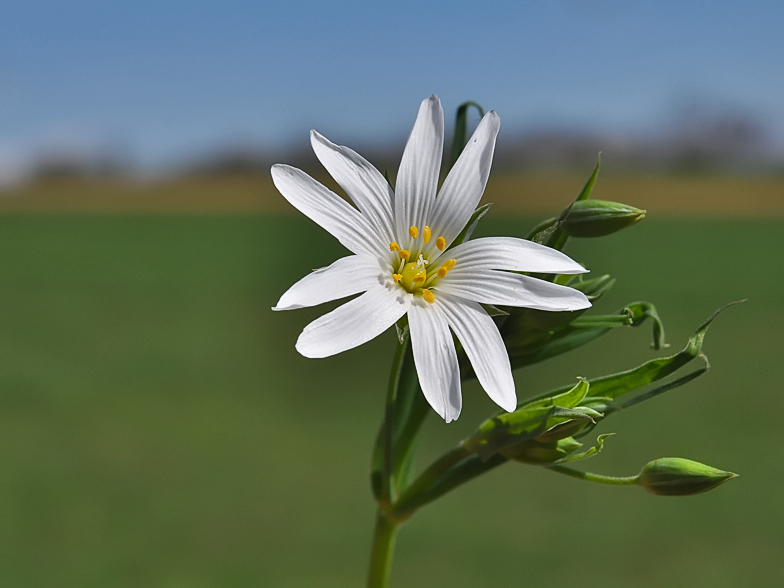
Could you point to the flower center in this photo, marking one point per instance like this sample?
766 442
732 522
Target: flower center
413 275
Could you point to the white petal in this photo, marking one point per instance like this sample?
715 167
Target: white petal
497 287
347 276
354 323
363 183
465 184
509 253
417 178
327 209
435 359
484 347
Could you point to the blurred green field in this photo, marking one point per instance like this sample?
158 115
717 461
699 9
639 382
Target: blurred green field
158 429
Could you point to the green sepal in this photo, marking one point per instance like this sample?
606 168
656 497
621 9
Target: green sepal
402 329
571 426
461 130
585 454
493 310
468 230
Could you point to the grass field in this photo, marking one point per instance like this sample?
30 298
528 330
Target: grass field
158 429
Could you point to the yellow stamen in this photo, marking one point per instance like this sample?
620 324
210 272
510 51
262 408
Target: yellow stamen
413 231
397 277
441 243
426 234
450 263
442 271
404 254
394 246
420 277
429 297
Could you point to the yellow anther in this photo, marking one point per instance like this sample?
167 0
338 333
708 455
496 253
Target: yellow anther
426 234
397 277
441 243
429 297
450 263
403 253
413 231
442 271
420 277
394 246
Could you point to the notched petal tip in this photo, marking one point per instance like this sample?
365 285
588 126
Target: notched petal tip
493 117
315 136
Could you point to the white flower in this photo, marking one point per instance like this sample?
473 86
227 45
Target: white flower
402 262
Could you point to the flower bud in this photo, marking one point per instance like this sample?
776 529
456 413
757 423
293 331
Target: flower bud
533 452
674 476
597 218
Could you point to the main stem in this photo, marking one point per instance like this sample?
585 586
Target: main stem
381 555
386 529
388 481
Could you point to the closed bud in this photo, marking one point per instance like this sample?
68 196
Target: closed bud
597 218
674 476
533 452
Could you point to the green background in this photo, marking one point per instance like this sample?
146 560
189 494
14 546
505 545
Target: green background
158 429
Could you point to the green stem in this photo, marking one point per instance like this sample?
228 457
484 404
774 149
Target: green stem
381 555
388 482
598 478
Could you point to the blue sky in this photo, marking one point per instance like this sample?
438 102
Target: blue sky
166 81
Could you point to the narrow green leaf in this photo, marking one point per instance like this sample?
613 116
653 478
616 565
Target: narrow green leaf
461 130
614 385
568 399
606 406
557 238
669 385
